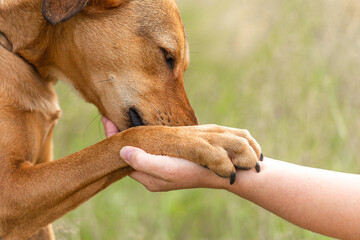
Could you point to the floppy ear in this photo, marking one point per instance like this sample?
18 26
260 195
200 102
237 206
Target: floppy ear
57 11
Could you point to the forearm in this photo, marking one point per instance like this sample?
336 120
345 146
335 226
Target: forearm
322 201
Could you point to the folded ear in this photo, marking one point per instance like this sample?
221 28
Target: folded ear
56 11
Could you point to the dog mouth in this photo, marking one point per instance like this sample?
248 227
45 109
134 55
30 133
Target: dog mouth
135 118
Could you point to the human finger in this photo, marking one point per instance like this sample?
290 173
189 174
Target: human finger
110 127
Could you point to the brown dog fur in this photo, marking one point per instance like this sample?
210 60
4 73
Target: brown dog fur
116 53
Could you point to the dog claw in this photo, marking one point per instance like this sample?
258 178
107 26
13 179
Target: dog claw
232 178
262 157
257 167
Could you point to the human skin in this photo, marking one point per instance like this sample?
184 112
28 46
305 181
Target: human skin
322 201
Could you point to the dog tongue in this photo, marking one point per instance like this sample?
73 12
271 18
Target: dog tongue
110 127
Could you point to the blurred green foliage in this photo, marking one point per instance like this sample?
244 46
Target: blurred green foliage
287 70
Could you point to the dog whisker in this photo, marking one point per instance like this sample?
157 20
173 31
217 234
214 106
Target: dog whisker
87 127
141 95
151 104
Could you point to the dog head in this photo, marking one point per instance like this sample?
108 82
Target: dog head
127 57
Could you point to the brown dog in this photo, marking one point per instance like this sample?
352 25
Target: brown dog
125 56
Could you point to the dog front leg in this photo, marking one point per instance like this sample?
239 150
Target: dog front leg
21 232
34 196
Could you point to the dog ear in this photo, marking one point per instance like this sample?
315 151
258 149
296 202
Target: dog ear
57 11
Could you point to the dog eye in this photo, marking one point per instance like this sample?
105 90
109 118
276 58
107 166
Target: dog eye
170 60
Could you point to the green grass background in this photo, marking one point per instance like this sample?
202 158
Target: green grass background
287 70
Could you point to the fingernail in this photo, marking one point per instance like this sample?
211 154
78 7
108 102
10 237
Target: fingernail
126 153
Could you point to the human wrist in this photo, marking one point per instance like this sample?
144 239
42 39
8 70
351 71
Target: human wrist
210 180
247 181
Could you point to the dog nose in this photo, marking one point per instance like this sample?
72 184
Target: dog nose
135 119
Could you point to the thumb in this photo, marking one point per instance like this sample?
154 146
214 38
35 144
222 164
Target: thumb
141 161
127 152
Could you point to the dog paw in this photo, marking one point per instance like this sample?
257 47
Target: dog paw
223 149
217 148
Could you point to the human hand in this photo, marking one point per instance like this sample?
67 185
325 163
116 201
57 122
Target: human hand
109 127
162 173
